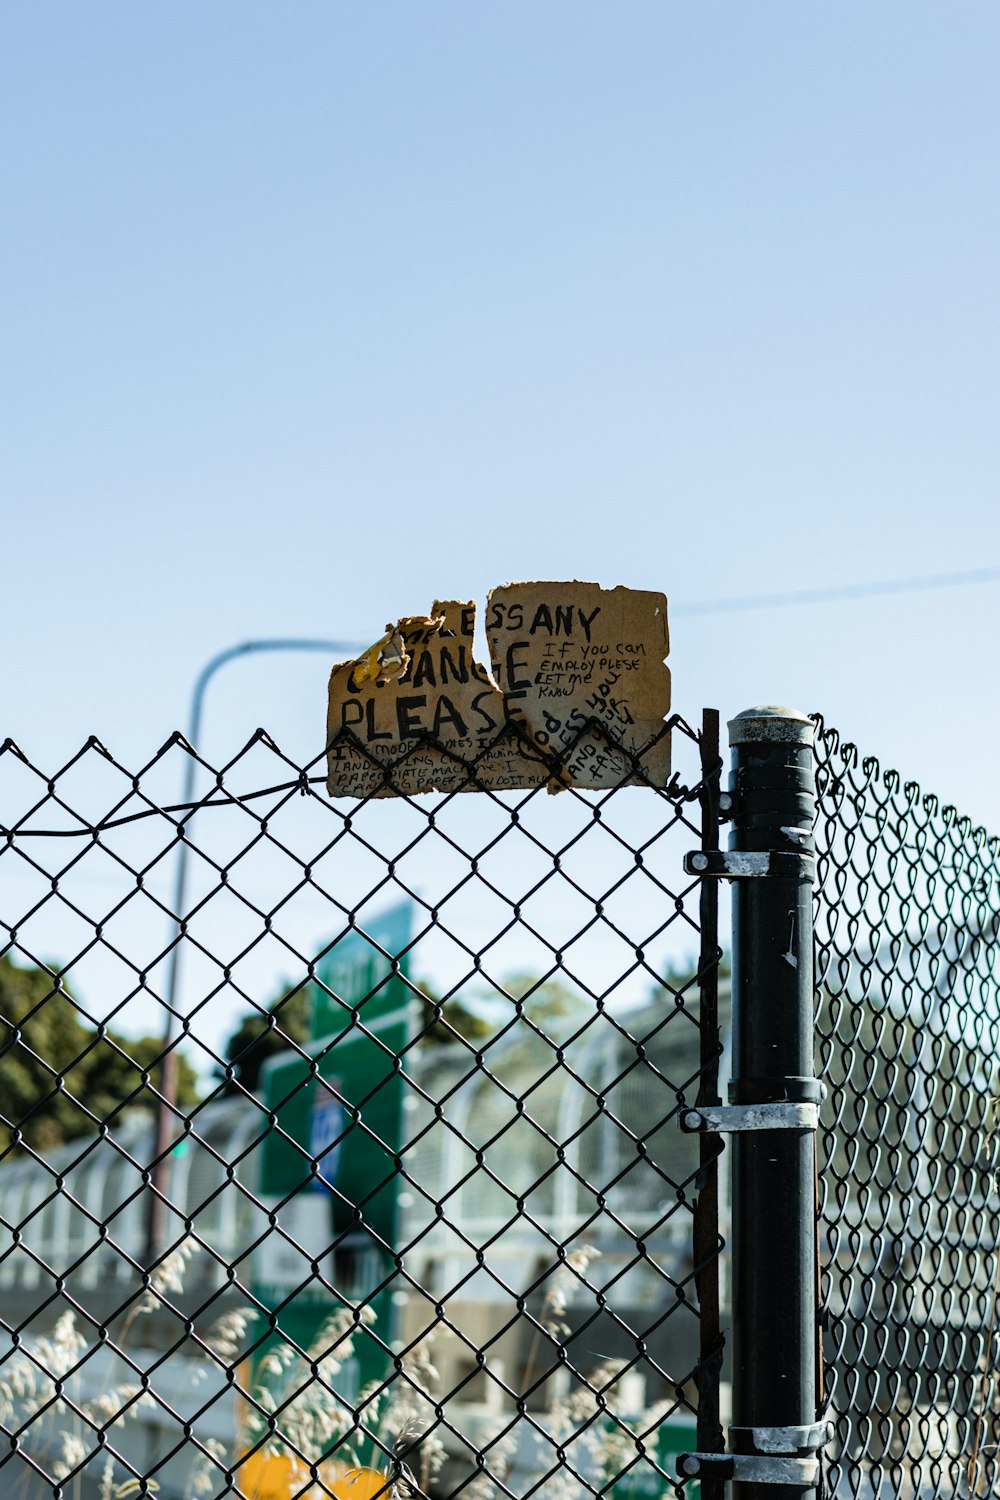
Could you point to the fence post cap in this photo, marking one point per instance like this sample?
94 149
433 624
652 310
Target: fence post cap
771 722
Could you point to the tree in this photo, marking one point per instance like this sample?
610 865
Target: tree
57 1074
115 1072
285 1023
455 1016
544 999
263 1034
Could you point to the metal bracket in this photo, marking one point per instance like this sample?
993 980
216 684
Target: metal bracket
735 864
750 1468
764 1455
725 1118
784 1441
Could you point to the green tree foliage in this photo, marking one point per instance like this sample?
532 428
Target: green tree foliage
683 976
117 1069
284 1023
263 1034
56 1074
438 1031
544 999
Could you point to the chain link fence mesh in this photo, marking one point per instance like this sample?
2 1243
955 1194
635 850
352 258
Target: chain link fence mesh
407 1210
907 916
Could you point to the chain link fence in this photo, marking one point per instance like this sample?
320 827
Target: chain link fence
407 1211
907 921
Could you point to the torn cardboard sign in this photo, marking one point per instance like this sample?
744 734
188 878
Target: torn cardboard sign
580 676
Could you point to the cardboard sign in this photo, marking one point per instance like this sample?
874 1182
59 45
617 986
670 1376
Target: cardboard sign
567 654
579 673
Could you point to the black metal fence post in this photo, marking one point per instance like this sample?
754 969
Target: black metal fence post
707 1243
774 1437
774 1345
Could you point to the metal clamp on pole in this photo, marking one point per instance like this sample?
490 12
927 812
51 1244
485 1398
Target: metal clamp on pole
787 1441
785 1114
751 1468
764 1455
736 864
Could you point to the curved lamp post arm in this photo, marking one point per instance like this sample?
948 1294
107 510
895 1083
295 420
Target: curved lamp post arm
208 671
165 1108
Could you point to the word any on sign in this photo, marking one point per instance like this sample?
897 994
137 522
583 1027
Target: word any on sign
578 669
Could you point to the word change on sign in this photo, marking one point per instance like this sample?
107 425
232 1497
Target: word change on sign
578 673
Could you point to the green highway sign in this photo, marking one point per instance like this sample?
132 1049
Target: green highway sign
357 971
644 1482
330 1167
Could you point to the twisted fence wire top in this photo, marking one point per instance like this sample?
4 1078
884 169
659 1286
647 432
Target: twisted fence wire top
533 1215
908 922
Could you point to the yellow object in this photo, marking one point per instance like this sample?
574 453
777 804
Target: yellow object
368 666
385 660
266 1476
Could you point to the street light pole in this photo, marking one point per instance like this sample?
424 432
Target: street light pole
167 1093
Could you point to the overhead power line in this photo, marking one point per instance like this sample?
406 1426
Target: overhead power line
834 592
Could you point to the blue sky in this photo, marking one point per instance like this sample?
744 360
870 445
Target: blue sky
315 312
